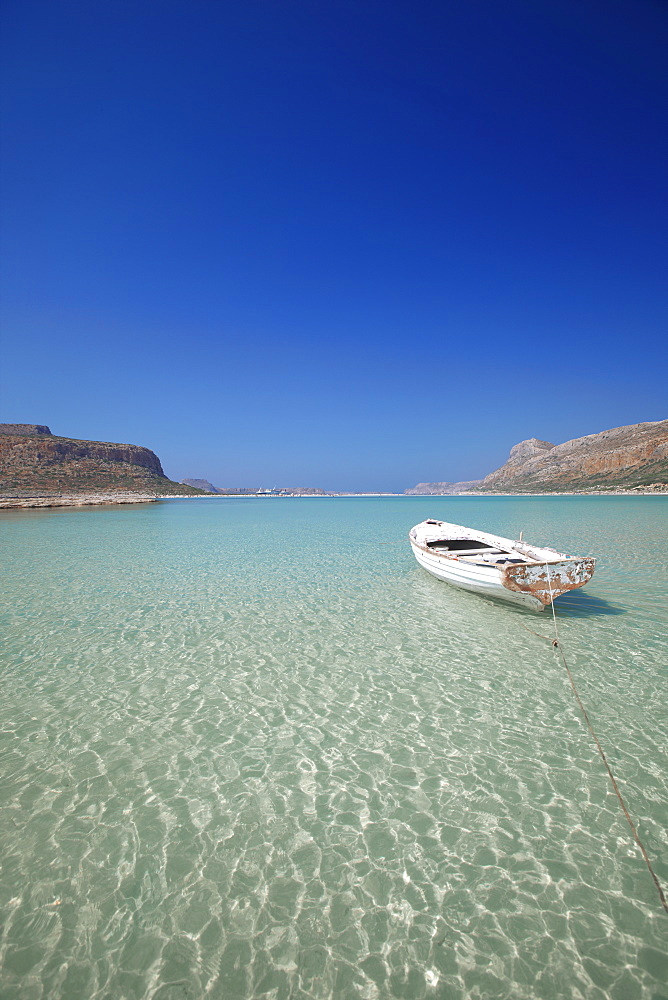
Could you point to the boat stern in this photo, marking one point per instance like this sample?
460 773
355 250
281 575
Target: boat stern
545 581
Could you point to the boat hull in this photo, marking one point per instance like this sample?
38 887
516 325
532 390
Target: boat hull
486 581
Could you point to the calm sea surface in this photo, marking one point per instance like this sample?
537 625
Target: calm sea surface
250 749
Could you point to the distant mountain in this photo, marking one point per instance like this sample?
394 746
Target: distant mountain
624 457
201 484
33 461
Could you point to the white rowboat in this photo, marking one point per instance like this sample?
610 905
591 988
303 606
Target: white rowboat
497 567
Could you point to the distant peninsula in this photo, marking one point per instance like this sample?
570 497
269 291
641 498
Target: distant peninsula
634 457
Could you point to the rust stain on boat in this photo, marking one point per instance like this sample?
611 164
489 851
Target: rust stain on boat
533 579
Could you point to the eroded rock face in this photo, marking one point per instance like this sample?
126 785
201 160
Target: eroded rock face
636 453
531 448
46 450
37 462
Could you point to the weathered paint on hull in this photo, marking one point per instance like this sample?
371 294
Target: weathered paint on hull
547 581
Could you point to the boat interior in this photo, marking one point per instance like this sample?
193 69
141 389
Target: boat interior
475 551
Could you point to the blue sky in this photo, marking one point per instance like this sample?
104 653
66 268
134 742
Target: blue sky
336 244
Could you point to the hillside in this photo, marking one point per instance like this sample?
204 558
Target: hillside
622 458
635 455
33 461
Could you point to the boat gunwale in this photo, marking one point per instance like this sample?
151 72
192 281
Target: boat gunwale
561 557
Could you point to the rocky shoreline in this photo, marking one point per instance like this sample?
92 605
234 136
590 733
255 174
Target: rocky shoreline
78 500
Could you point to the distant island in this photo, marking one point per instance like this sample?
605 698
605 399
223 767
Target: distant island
634 457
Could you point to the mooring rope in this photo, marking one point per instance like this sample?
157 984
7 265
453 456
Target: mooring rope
557 645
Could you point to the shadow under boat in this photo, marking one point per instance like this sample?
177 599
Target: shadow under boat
580 604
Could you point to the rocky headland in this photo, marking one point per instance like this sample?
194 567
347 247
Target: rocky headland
632 458
36 465
201 484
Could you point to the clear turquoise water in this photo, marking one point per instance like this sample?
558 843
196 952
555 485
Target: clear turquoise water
250 749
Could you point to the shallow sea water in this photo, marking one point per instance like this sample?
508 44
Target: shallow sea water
250 749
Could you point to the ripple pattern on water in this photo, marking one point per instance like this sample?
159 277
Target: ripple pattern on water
246 752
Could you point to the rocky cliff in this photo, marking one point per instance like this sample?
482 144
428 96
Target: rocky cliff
635 455
34 461
624 457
